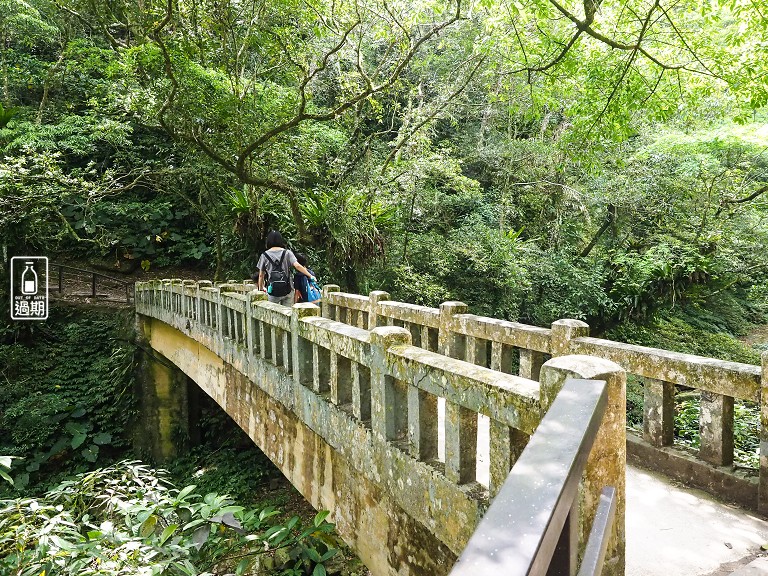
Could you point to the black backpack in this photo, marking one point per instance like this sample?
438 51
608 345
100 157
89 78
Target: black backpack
279 284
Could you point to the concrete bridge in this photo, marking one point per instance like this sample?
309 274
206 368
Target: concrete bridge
433 434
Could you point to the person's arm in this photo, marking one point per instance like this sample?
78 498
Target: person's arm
260 283
303 270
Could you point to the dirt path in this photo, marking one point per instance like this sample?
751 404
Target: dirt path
757 337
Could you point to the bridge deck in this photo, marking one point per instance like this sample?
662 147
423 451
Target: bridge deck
672 530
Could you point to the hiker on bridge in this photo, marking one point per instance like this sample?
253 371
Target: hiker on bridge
275 266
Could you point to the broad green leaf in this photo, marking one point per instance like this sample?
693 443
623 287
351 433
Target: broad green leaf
242 566
148 526
201 535
78 439
75 428
169 530
320 516
91 453
102 438
186 491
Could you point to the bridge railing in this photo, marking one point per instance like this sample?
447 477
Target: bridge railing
391 388
518 348
72 278
531 525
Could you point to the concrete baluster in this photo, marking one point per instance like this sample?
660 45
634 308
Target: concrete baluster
762 502
361 391
607 462
658 412
460 443
476 350
389 403
501 357
219 316
460 423
716 428
172 288
506 445
530 364
165 294
190 312
563 331
275 345
341 380
448 342
329 310
287 347
177 289
265 341
203 310
424 337
422 424
251 334
321 375
303 356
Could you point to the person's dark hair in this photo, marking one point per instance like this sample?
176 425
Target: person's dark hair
300 258
274 238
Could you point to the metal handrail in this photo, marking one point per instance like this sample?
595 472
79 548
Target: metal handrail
530 527
597 544
94 277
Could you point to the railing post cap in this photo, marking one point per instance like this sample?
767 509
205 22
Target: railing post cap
581 366
378 295
188 282
453 306
328 288
256 295
387 336
570 323
305 309
204 283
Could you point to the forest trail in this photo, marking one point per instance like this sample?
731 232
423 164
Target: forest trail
758 337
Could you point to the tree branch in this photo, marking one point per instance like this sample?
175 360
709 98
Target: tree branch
756 194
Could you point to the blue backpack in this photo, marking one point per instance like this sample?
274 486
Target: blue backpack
313 291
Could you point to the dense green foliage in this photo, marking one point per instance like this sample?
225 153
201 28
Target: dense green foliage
129 519
67 396
601 161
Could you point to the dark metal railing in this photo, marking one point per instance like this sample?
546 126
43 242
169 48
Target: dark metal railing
531 526
91 279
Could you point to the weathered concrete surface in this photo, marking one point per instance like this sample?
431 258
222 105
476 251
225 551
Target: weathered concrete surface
400 516
608 459
167 423
686 468
676 531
